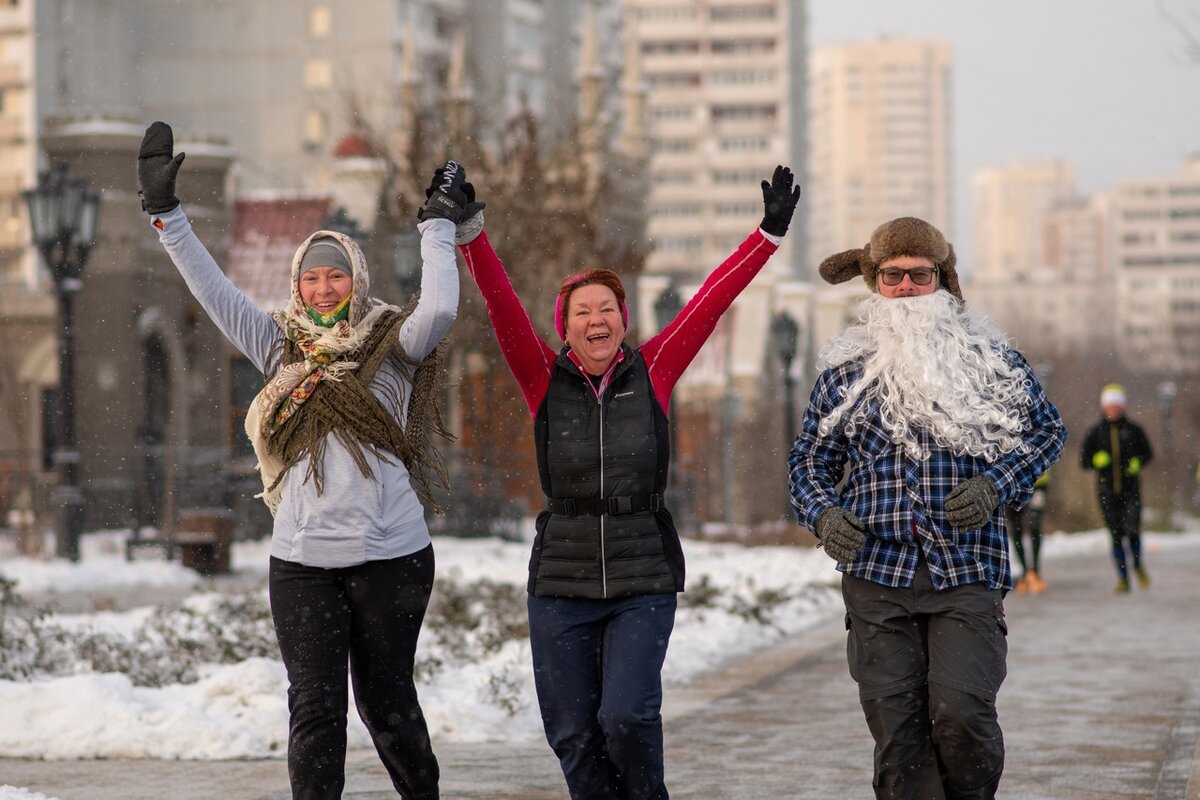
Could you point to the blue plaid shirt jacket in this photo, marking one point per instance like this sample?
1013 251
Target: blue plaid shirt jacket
899 499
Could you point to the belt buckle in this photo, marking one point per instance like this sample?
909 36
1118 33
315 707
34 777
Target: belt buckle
620 505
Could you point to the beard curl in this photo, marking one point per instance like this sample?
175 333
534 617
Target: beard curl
932 365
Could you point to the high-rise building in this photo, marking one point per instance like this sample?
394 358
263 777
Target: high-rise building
725 86
284 81
1048 316
1076 239
1040 260
879 139
1011 206
1156 239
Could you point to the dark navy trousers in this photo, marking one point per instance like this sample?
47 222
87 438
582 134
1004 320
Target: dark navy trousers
597 665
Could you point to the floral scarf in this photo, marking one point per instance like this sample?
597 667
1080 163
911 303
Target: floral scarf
333 360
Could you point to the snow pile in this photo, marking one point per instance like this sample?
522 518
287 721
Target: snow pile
473 658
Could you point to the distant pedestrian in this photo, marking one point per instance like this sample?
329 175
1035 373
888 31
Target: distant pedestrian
1116 447
344 432
1028 519
922 424
607 561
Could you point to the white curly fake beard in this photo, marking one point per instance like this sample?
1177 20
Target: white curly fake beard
935 366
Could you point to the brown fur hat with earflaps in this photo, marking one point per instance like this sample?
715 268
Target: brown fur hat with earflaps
905 236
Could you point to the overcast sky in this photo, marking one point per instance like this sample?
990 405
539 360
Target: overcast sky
1105 85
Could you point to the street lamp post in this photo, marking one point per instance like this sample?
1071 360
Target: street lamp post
406 262
1166 399
62 214
667 306
786 333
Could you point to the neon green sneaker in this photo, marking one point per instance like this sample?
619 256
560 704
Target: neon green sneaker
1122 586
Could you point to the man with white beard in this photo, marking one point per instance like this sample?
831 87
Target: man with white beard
922 426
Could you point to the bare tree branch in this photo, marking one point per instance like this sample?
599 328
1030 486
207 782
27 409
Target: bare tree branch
1191 39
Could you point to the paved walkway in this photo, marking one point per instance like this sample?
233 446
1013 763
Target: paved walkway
1102 702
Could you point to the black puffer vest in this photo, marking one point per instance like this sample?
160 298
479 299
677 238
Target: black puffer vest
603 464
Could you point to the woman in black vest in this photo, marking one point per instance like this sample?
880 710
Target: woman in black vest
607 561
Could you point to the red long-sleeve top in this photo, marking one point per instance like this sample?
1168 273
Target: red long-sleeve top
667 354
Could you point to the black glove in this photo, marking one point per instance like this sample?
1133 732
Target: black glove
841 533
969 504
447 196
472 208
779 201
157 167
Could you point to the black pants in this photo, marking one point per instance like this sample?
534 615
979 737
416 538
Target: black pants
928 666
369 615
1019 521
1123 516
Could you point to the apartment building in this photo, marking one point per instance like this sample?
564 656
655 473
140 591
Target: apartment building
1040 261
1011 205
725 83
1077 238
1156 240
880 137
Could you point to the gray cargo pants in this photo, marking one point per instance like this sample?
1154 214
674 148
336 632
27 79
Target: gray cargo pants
928 665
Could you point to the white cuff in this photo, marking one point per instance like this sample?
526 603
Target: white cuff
770 237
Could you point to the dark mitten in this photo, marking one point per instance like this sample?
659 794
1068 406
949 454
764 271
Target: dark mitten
157 167
841 533
779 201
971 503
446 198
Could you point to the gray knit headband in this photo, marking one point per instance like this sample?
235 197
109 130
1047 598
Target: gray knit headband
325 253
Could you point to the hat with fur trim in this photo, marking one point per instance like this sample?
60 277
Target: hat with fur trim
905 236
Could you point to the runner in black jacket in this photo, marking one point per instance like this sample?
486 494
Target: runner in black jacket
1117 449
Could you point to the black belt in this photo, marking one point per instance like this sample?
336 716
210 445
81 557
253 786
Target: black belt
599 506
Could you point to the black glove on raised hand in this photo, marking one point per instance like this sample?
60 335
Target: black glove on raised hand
969 504
157 167
841 533
448 196
779 201
473 207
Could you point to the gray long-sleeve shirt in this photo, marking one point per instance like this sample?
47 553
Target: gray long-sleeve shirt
354 519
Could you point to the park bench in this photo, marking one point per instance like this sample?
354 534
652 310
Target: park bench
201 537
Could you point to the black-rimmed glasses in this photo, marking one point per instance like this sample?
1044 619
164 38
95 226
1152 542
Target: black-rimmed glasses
920 276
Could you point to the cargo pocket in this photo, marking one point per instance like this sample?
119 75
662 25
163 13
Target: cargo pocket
998 613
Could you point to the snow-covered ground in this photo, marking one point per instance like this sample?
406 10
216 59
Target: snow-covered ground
239 710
